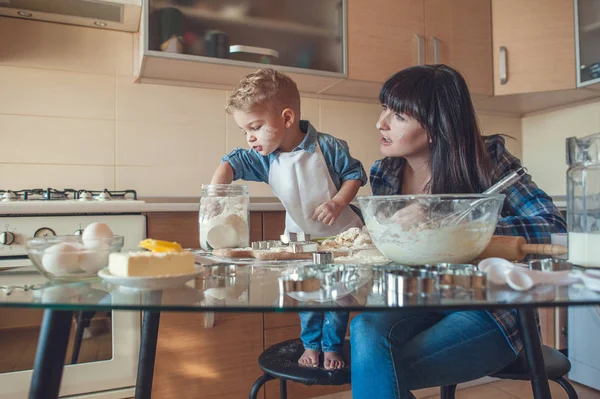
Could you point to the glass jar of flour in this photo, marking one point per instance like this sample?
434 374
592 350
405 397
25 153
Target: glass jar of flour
224 216
583 200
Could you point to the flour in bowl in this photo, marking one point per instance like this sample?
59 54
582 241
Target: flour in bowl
419 246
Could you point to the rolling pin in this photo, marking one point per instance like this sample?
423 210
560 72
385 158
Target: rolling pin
515 248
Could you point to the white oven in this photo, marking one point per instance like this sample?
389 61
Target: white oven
106 364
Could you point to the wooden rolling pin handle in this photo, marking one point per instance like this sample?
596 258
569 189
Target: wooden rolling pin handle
544 249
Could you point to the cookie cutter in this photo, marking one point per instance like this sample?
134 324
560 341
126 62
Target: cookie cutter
301 280
303 246
410 282
322 258
266 245
550 265
294 237
465 276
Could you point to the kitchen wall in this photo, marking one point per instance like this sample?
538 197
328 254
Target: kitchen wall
544 142
72 116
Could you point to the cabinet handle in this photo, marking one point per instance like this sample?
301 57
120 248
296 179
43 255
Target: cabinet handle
209 319
436 50
503 70
420 49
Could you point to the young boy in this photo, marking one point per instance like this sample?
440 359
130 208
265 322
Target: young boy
311 173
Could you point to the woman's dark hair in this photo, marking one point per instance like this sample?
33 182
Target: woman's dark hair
438 98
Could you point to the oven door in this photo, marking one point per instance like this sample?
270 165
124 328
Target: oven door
105 365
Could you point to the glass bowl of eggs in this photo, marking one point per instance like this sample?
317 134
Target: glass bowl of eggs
74 257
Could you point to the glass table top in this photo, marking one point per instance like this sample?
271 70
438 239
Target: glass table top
278 286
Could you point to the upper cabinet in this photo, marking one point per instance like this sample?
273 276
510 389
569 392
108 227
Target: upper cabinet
459 34
587 17
386 36
534 46
210 42
516 56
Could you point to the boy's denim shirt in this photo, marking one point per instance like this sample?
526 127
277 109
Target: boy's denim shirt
248 164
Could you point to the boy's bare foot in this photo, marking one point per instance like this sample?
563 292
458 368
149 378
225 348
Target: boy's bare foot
332 361
310 358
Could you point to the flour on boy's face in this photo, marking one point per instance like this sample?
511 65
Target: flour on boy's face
264 130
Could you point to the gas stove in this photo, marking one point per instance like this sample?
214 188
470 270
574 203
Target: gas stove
54 201
47 212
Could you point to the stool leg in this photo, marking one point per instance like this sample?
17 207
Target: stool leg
571 394
448 392
282 389
258 384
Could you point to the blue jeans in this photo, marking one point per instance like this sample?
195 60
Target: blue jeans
393 353
323 330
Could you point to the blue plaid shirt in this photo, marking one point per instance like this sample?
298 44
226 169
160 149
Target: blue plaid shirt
528 212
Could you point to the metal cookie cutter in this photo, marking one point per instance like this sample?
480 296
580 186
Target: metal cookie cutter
266 245
303 246
294 237
400 284
455 274
550 265
299 282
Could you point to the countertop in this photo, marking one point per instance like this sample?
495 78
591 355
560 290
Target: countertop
192 204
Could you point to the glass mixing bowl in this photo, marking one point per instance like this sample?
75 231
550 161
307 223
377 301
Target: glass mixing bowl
70 258
431 229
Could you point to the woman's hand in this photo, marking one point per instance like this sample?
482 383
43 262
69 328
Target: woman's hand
409 216
327 212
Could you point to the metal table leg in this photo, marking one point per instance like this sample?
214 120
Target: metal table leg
50 354
533 353
149 340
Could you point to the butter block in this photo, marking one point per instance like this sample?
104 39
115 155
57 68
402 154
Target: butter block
150 264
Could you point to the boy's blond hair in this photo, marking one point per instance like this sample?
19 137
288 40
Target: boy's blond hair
265 88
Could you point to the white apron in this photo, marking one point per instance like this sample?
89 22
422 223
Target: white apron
302 182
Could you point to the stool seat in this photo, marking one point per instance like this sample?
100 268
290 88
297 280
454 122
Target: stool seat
281 361
557 365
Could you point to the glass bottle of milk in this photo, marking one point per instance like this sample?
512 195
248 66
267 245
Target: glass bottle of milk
583 200
223 220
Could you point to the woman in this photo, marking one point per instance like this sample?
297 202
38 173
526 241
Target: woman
432 145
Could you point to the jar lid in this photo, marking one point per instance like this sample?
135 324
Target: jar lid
584 150
224 190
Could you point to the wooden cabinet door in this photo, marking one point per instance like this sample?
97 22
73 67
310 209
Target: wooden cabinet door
213 363
181 227
273 225
459 34
382 37
539 38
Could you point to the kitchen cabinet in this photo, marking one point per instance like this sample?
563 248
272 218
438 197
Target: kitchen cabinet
459 34
587 19
214 44
534 46
386 36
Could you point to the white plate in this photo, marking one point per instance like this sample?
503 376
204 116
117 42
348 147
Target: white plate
150 283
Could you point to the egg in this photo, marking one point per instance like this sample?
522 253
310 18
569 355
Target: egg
94 261
62 259
97 235
222 236
240 226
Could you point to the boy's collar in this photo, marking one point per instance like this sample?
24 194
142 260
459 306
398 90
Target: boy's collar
310 139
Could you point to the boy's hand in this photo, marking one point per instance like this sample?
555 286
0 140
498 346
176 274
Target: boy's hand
327 212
